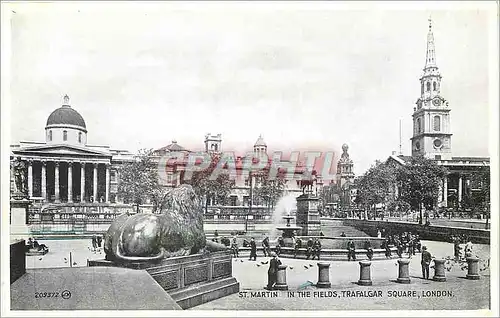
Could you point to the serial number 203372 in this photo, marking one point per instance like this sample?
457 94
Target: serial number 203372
47 295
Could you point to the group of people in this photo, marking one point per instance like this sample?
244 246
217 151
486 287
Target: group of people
457 249
96 241
407 243
33 244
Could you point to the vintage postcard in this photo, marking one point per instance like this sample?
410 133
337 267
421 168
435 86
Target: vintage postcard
249 158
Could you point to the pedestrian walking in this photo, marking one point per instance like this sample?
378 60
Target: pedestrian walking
425 262
272 272
369 250
309 247
234 247
253 249
265 246
316 248
94 242
297 246
351 250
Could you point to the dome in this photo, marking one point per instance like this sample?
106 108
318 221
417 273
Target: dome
65 115
260 142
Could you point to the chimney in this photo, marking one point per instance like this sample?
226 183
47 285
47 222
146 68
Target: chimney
393 153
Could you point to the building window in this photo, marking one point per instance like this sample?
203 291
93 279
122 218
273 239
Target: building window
418 126
434 86
437 157
428 86
437 123
216 147
422 88
50 135
80 137
246 182
65 135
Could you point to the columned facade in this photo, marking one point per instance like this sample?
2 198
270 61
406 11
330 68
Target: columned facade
68 181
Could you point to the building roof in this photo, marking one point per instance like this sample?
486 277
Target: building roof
174 146
260 142
65 115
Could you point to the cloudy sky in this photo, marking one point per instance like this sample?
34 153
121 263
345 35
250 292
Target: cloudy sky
305 76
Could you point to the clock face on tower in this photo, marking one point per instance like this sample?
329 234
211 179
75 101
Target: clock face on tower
438 143
436 102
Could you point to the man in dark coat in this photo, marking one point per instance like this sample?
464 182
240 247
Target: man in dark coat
309 246
298 245
272 272
253 250
265 247
425 262
369 250
316 248
399 246
234 247
351 251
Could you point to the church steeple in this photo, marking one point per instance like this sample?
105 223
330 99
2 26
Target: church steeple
431 117
430 58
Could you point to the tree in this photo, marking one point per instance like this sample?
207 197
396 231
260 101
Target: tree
139 180
207 188
419 180
481 180
375 185
270 191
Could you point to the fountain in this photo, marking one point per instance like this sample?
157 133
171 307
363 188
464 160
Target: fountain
288 229
284 207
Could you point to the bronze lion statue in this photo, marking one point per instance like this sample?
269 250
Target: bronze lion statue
176 231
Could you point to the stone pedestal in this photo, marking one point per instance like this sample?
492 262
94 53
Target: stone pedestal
307 216
364 273
281 278
190 280
472 271
18 217
404 271
17 259
323 276
439 271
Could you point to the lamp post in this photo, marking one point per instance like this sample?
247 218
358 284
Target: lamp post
250 200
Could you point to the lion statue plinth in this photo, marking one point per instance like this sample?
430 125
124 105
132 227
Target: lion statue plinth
176 231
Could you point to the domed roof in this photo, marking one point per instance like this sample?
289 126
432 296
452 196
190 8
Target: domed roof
65 115
260 142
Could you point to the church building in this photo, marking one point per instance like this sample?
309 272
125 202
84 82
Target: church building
432 137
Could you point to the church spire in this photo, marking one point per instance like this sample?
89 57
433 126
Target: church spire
430 58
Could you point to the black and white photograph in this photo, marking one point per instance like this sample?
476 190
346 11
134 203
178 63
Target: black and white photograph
267 158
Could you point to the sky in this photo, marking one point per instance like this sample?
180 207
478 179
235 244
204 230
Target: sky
305 76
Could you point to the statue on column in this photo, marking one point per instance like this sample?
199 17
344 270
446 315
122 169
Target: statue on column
19 169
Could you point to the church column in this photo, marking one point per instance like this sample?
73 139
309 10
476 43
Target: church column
107 183
70 182
445 190
30 178
82 182
56 181
460 188
95 183
44 180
